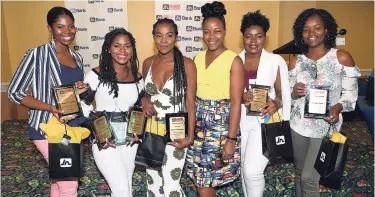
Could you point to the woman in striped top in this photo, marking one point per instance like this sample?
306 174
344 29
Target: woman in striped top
43 67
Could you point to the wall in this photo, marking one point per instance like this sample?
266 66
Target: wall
358 19
19 34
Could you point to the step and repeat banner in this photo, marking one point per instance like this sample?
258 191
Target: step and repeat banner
187 15
94 19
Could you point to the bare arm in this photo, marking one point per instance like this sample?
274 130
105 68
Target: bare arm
236 92
191 78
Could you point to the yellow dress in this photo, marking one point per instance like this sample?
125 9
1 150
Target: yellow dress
204 162
213 83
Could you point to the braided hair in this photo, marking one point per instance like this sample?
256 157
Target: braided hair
107 72
179 75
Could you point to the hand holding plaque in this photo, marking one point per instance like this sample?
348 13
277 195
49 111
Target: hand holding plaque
177 125
316 102
67 99
101 128
260 98
137 122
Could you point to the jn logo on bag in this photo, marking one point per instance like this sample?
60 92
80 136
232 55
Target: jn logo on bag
65 162
322 157
280 140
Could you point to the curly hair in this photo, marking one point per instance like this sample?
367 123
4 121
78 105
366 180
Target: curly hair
255 19
107 72
214 10
179 75
329 24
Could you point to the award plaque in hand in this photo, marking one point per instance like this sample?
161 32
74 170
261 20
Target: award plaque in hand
260 98
177 125
101 128
316 102
66 98
137 122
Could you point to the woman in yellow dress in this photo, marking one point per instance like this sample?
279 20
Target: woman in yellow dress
214 158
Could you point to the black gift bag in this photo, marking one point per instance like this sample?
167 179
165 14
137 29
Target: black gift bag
151 150
277 141
330 162
65 161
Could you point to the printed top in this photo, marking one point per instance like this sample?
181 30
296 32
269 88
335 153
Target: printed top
343 88
163 100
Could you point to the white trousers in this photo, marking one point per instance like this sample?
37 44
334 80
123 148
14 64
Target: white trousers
117 166
253 161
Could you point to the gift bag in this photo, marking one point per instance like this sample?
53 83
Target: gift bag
65 149
277 141
151 150
330 161
65 161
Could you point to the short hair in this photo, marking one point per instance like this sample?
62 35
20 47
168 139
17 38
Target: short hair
255 19
329 24
107 72
214 10
55 12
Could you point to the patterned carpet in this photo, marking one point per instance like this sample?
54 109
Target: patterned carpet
24 171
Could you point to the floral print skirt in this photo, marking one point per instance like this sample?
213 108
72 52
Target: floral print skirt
204 161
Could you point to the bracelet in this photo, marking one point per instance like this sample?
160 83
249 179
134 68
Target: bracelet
232 138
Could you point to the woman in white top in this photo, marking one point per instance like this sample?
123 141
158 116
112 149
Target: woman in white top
319 64
117 86
261 68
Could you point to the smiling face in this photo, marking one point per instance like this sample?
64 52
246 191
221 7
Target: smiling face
254 39
213 33
63 30
165 38
121 49
314 32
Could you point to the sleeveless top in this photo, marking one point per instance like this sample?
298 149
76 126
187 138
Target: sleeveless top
163 100
213 83
343 88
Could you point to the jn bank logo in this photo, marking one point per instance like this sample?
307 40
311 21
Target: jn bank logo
322 157
76 10
93 19
95 38
280 140
76 48
95 1
112 10
189 49
66 162
192 8
192 28
171 7
111 28
197 18
197 38
95 56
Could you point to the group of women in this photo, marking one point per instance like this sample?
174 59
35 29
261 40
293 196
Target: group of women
223 141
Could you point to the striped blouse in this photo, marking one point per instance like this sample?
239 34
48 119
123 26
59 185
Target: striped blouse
39 70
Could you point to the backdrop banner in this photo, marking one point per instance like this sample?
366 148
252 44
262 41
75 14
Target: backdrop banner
187 15
94 19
